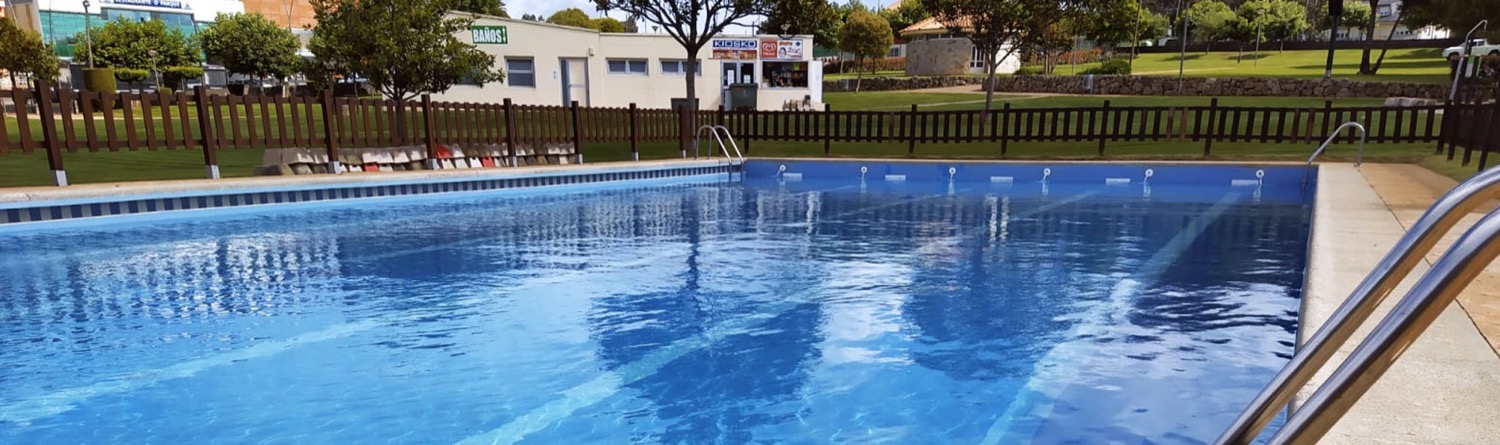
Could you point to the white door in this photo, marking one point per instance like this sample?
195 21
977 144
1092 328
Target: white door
575 81
735 72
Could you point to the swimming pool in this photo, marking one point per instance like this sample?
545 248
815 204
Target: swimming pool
802 305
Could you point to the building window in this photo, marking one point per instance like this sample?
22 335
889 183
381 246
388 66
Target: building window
677 67
976 61
785 74
627 66
1384 11
179 21
520 72
61 28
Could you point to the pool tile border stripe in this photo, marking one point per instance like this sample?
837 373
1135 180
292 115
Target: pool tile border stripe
126 206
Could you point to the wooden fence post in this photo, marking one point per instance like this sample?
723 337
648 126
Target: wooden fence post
49 132
911 143
827 127
635 131
330 140
1327 121
210 140
577 133
1104 129
1004 130
1443 132
1213 117
682 132
429 136
510 131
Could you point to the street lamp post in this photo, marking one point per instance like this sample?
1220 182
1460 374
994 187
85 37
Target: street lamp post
155 78
1182 58
1260 15
88 33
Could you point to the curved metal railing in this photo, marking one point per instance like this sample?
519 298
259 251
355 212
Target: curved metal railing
1397 264
1359 157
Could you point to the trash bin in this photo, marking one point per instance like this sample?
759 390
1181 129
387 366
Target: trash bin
679 102
742 96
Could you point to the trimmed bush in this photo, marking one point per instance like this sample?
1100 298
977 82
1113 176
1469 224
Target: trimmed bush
131 74
175 77
1114 66
100 80
1033 70
871 65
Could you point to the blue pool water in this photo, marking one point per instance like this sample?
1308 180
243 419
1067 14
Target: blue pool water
671 311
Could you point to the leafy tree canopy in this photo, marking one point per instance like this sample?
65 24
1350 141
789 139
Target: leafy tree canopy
908 13
607 24
997 28
1212 20
1459 16
571 17
1276 19
487 7
404 47
866 35
815 17
126 43
23 52
1357 15
250 44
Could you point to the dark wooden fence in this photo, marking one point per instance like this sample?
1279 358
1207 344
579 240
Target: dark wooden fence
59 121
1094 125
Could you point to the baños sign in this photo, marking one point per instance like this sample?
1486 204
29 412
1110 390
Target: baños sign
489 35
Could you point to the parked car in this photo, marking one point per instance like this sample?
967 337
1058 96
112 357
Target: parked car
1480 47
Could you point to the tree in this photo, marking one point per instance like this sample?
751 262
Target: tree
1212 21
692 23
571 17
1357 15
251 45
908 13
1110 22
486 7
126 43
404 47
1277 19
24 53
1458 16
994 26
607 24
531 17
865 35
816 17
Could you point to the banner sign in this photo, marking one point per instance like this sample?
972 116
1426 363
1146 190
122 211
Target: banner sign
735 49
489 35
781 49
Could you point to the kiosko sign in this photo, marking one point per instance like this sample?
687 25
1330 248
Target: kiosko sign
736 49
489 35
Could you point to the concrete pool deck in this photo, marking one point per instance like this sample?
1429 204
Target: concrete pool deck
1446 388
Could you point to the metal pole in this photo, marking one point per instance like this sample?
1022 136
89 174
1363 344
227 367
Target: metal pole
88 33
1333 36
1181 58
1468 48
1259 16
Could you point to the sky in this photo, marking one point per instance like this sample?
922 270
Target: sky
544 8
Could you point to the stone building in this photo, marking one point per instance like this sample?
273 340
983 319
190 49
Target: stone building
933 49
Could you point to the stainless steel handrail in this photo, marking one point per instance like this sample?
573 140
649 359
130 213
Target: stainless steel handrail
714 130
1407 321
1359 157
1397 264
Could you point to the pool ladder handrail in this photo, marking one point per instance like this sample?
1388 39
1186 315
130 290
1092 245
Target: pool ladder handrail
1411 316
714 130
1359 156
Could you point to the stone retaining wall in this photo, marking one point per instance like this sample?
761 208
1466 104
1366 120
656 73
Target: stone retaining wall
1160 85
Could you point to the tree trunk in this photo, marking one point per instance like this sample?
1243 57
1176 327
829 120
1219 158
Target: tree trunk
1364 58
1381 60
990 64
690 109
859 77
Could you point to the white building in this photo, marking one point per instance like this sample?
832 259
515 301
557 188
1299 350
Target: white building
933 49
547 64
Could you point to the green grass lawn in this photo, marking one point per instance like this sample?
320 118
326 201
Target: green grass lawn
898 100
1401 65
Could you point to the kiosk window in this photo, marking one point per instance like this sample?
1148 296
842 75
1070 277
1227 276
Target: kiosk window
785 74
